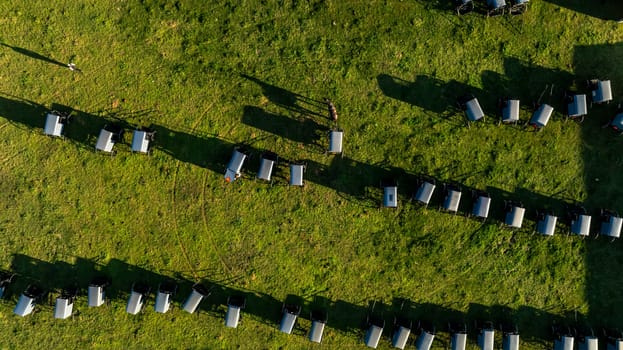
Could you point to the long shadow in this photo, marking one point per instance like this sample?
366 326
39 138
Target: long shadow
22 112
603 9
520 80
287 99
427 92
55 276
304 130
528 82
356 179
600 148
361 181
348 176
50 276
345 175
208 152
601 155
533 201
528 320
602 174
34 55
343 316
83 127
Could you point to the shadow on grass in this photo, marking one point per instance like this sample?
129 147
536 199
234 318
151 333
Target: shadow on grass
520 80
427 92
289 100
204 151
603 9
55 276
362 182
602 160
601 157
83 128
601 153
343 316
442 5
528 320
34 55
532 200
354 179
350 178
305 130
22 112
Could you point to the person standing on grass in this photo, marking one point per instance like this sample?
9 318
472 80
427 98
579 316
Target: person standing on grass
72 67
332 110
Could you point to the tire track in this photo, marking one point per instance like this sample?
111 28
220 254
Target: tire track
175 226
205 227
226 269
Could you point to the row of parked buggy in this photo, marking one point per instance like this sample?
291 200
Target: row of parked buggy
109 135
493 7
565 338
139 295
96 296
400 334
575 104
269 160
576 108
576 217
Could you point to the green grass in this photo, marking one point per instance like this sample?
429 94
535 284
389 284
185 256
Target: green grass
210 75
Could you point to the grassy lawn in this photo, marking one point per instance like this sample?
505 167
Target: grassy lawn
209 75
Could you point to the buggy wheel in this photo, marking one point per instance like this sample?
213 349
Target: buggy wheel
495 12
465 8
519 9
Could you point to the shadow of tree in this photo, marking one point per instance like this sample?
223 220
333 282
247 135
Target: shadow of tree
601 160
603 9
602 163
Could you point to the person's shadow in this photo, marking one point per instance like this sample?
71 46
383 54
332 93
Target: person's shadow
304 130
34 55
287 99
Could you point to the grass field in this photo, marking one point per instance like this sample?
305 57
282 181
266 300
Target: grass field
209 75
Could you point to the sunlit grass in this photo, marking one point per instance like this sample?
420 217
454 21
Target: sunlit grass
181 66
